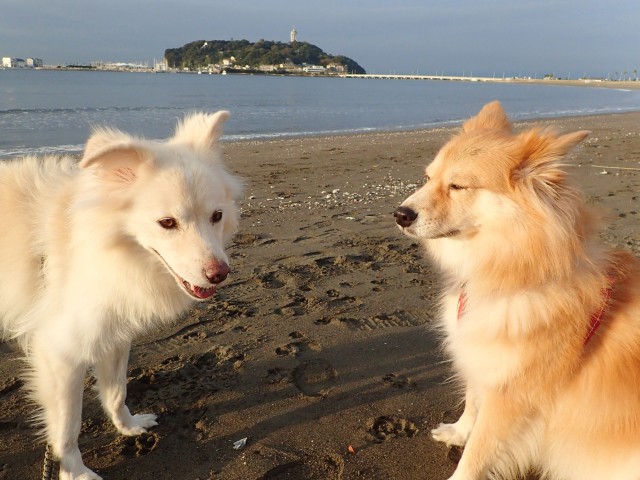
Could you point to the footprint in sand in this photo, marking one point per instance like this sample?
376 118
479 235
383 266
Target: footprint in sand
272 280
399 381
278 375
391 426
300 346
398 318
315 377
138 446
327 468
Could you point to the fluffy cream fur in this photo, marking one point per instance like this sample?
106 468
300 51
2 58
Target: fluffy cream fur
86 265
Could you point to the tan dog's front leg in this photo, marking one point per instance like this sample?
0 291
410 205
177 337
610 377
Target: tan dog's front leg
458 433
499 421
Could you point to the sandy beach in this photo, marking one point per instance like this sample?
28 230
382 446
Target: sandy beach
319 350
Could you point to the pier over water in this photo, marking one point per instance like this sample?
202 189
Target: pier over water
582 82
424 77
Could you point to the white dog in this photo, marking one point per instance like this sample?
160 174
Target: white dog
94 253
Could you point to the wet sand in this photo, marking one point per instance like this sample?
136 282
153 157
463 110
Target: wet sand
318 351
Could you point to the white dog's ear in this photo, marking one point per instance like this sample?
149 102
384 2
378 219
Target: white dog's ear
201 131
491 116
116 156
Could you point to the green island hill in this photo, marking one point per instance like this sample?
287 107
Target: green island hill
263 56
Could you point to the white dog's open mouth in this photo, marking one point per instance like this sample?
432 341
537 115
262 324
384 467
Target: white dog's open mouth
199 293
196 291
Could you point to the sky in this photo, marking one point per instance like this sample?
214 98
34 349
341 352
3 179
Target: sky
567 38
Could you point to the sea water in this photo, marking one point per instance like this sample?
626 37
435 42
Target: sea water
49 111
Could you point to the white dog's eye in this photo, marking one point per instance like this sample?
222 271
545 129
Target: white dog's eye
216 216
427 178
168 223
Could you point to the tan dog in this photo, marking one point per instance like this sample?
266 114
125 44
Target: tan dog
98 251
541 320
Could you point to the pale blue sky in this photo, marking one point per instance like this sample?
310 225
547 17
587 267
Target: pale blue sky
512 37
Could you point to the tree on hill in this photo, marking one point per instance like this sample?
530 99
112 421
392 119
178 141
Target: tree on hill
201 54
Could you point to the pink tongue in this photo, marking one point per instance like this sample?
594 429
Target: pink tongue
203 292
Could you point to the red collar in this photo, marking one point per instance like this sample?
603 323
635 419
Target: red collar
594 322
462 301
596 317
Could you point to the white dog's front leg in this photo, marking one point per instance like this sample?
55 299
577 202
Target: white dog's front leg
57 384
458 433
111 374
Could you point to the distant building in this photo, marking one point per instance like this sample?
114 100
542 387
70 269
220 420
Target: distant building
293 35
289 66
120 66
314 69
10 62
336 68
160 65
34 62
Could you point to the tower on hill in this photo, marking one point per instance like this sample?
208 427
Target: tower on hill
293 35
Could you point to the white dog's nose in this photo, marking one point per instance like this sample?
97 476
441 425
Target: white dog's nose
216 272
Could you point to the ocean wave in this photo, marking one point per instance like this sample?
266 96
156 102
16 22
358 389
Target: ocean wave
39 151
570 112
76 110
21 151
74 149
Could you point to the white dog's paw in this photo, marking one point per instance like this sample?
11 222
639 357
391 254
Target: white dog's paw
451 434
72 468
138 424
85 474
457 476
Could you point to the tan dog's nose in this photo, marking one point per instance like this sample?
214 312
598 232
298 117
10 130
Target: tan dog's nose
405 216
216 272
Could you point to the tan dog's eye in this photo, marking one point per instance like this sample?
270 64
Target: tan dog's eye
168 223
455 186
216 216
427 178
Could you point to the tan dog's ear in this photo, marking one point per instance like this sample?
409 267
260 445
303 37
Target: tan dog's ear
539 154
565 143
491 116
201 131
115 156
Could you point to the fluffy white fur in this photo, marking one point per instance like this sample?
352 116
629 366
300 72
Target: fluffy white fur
97 251
499 215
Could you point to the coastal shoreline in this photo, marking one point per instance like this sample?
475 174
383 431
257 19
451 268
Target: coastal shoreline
585 82
616 84
319 349
449 126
